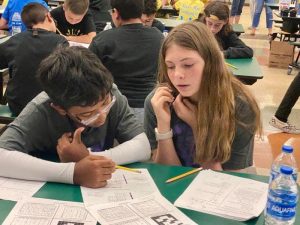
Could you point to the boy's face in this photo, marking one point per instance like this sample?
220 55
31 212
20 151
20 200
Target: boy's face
92 116
147 19
73 18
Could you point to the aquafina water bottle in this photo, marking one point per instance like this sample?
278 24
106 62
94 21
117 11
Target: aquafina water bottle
16 24
286 158
282 199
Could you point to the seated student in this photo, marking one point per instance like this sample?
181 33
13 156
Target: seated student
199 114
216 18
77 119
280 119
148 16
74 21
188 9
130 52
15 6
99 10
23 53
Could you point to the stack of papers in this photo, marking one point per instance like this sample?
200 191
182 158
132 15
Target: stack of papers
225 196
131 199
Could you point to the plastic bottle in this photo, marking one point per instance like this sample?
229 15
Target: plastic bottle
16 24
107 26
286 158
165 33
282 199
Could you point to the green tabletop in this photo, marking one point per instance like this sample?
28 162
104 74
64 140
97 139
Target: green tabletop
170 23
247 70
160 174
238 28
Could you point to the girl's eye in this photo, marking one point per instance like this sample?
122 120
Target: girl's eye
170 67
188 65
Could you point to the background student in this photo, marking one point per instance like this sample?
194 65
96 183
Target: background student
23 53
216 18
280 119
236 11
76 119
99 10
148 16
74 21
15 6
130 52
199 114
188 9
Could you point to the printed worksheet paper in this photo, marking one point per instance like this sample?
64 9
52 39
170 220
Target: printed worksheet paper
38 211
150 210
14 189
124 185
224 195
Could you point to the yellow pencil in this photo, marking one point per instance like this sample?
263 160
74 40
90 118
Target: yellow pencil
128 169
59 31
232 66
184 175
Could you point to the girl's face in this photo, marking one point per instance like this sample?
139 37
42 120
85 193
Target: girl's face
215 26
185 70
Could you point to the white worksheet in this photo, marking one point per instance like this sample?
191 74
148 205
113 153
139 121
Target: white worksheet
38 211
225 195
73 43
124 185
150 210
15 190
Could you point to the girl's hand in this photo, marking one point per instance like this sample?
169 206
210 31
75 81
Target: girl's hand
161 105
186 111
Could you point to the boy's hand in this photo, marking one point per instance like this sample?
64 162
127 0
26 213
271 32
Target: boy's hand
93 171
71 149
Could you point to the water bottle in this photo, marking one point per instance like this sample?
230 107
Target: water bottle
282 199
165 33
107 26
286 158
16 24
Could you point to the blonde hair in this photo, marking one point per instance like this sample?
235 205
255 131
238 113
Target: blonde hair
217 95
78 7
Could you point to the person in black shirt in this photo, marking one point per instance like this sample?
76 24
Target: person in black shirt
99 10
130 52
23 53
148 16
74 21
216 18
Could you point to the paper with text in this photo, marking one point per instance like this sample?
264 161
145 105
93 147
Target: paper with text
124 185
14 189
225 195
73 43
150 210
38 211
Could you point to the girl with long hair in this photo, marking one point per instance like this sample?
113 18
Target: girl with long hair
199 114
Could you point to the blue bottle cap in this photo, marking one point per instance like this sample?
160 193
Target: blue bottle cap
287 149
286 170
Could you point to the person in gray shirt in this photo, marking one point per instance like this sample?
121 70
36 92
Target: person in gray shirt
75 120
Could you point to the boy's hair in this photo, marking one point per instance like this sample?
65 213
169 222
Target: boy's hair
128 9
33 13
74 76
220 10
150 7
78 7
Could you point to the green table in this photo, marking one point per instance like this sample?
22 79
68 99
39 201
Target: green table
238 28
160 174
248 70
